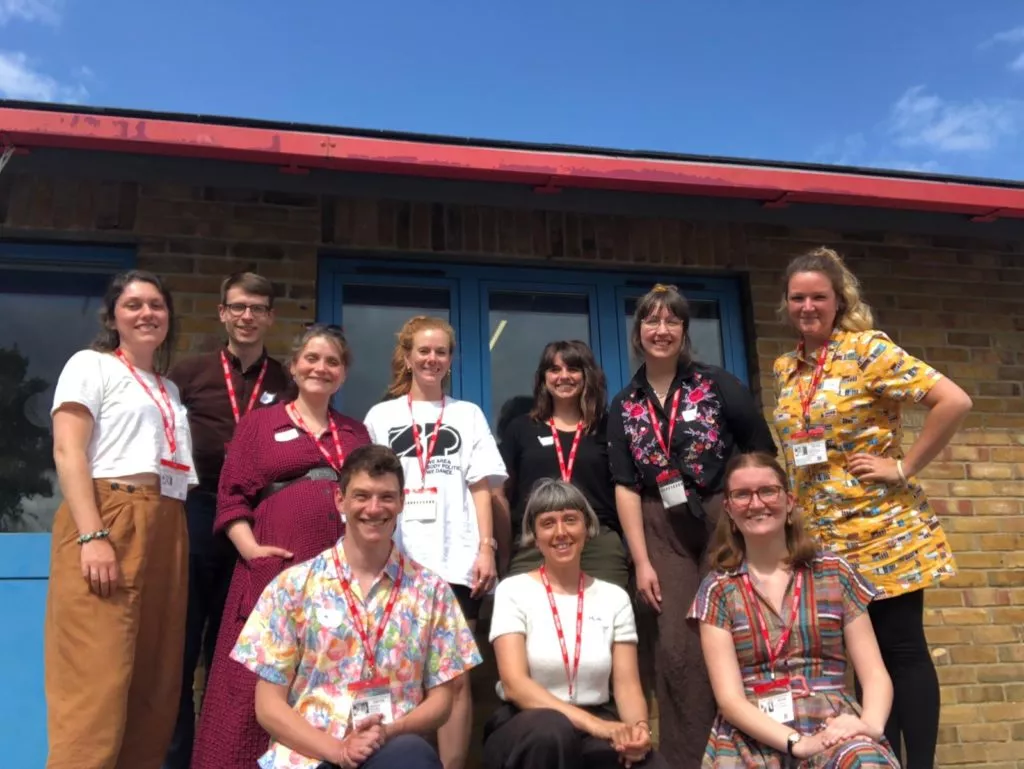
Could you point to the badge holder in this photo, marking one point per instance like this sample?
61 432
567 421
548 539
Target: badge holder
775 699
671 488
173 479
370 698
420 505
810 448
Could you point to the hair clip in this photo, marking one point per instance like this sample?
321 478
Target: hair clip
660 288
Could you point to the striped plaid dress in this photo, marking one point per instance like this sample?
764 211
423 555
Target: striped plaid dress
814 659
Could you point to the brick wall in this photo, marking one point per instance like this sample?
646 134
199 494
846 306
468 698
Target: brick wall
958 303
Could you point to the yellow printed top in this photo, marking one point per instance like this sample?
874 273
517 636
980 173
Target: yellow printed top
888 532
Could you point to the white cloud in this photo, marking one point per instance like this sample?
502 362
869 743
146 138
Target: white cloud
1017 65
1015 35
19 79
45 11
920 119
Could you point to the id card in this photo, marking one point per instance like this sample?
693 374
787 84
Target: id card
671 488
775 699
810 452
420 505
370 698
173 479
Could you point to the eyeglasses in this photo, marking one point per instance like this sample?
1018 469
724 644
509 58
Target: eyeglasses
768 495
237 309
653 322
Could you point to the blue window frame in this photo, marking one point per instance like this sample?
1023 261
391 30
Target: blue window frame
470 289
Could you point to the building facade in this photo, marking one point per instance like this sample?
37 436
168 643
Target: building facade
515 246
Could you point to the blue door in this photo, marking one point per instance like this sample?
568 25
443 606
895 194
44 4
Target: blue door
49 300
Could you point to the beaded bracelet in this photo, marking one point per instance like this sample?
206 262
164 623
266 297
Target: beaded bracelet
101 534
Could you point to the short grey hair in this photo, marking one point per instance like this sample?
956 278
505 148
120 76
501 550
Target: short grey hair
551 495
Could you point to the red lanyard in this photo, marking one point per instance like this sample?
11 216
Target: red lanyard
808 396
297 418
571 673
358 622
231 386
758 619
423 457
656 426
566 467
167 417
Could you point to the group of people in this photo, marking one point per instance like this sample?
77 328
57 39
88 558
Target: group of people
332 570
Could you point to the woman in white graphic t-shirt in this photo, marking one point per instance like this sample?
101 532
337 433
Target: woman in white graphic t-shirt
451 463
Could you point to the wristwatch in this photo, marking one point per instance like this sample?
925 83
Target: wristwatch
491 541
791 742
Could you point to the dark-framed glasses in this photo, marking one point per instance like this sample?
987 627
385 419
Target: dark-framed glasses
237 309
768 495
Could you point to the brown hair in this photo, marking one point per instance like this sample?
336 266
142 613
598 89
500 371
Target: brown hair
331 332
401 374
578 355
728 549
852 312
374 460
250 283
651 303
109 340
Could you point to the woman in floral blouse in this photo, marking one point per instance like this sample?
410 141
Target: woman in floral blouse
838 415
671 432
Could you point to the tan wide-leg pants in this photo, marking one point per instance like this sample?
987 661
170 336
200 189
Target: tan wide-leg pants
113 665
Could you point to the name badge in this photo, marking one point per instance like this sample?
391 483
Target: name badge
371 698
689 415
810 453
267 398
173 479
546 440
831 385
420 505
776 701
286 435
671 488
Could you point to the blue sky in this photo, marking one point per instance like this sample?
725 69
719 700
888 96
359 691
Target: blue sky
930 85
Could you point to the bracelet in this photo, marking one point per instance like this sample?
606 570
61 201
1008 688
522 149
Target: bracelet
900 473
645 725
101 534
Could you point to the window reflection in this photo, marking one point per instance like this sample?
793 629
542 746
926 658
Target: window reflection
705 332
521 323
372 316
39 333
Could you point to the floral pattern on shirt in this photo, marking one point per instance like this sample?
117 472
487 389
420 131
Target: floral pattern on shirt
301 630
888 532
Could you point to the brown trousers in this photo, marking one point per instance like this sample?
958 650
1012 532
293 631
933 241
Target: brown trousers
113 665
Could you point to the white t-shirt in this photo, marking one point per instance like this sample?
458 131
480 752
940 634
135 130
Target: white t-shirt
465 454
128 432
521 606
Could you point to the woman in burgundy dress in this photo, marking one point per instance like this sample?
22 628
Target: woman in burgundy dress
276 503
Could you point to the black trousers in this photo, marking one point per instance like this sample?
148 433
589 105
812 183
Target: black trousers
546 739
210 562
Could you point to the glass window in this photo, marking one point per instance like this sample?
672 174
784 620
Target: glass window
371 317
705 332
520 324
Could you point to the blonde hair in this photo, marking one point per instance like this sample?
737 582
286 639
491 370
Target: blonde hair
401 374
852 312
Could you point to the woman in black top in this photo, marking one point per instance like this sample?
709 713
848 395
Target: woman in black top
671 432
569 397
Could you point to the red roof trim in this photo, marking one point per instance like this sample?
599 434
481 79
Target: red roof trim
27 128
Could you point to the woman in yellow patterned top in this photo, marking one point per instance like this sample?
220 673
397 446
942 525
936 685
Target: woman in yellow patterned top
838 415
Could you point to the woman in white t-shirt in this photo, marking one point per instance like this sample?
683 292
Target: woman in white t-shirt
563 640
451 463
115 610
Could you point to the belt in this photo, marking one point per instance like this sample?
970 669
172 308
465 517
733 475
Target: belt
315 474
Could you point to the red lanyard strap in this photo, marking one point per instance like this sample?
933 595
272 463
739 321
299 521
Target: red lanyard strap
774 652
167 417
231 386
360 623
571 673
819 372
339 453
423 456
656 426
565 468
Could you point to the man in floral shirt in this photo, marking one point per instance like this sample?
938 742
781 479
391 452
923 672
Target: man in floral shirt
357 649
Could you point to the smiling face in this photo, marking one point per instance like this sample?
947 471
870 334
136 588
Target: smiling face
562 381
430 358
812 305
560 535
370 506
141 316
757 502
319 368
246 317
662 334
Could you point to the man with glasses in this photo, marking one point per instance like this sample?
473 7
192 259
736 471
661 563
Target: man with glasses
219 388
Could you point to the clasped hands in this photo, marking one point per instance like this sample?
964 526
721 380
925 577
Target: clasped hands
366 738
632 743
835 730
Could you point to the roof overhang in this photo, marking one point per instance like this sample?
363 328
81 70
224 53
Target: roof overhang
545 170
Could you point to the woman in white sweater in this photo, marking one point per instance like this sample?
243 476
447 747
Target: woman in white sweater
562 640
